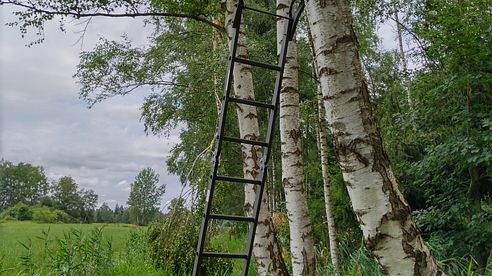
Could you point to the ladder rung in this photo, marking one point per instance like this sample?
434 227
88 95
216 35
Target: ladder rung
265 12
231 217
245 141
224 255
257 64
238 180
250 102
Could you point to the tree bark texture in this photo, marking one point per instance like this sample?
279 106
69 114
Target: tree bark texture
323 152
266 249
383 214
301 232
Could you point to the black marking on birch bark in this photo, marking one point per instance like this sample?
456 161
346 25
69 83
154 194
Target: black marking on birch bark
349 90
238 107
287 153
289 90
286 182
251 116
295 134
242 46
251 136
255 156
282 6
351 148
348 184
298 164
355 98
328 71
359 213
347 38
247 207
328 98
245 68
305 262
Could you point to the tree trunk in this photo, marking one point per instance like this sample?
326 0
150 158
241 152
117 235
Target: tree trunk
323 152
301 233
383 214
266 250
403 62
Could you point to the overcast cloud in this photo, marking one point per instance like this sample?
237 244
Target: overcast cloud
43 122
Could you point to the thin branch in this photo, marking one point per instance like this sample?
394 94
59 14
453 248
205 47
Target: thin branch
415 37
83 32
78 15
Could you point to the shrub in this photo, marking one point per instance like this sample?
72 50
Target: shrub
63 217
43 214
19 211
173 246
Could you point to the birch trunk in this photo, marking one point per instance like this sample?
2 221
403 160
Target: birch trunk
323 152
301 233
266 250
383 214
403 62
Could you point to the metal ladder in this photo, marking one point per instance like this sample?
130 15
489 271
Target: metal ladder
292 20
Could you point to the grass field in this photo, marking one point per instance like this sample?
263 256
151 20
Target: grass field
14 234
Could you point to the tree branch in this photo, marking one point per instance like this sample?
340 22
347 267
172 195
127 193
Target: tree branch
78 14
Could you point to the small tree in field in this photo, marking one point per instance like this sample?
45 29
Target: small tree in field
144 196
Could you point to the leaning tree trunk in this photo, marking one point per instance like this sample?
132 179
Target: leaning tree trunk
384 215
301 232
323 152
266 250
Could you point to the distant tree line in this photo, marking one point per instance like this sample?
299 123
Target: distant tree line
26 194
24 185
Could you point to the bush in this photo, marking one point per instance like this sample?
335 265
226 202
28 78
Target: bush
19 211
63 217
173 246
43 214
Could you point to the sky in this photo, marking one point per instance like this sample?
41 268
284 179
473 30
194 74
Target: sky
43 122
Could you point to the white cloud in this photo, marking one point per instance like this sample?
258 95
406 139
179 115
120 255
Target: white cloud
43 122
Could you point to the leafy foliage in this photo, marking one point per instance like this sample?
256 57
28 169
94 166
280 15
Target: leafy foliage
172 245
21 183
145 196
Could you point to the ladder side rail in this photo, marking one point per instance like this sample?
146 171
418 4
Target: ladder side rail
267 150
215 165
296 16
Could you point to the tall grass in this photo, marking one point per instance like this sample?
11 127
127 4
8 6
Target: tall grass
80 252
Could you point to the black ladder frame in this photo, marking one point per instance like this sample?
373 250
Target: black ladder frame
290 27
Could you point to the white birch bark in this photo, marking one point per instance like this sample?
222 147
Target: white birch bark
383 214
323 152
266 250
301 233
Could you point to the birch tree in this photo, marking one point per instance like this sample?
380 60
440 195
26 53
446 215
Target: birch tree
266 250
384 215
301 232
323 152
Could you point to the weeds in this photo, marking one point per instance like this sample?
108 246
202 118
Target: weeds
26 260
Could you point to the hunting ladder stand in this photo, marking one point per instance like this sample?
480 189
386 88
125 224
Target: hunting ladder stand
292 20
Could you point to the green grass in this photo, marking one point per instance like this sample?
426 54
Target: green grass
234 243
14 234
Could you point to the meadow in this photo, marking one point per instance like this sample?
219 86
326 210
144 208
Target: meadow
27 247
